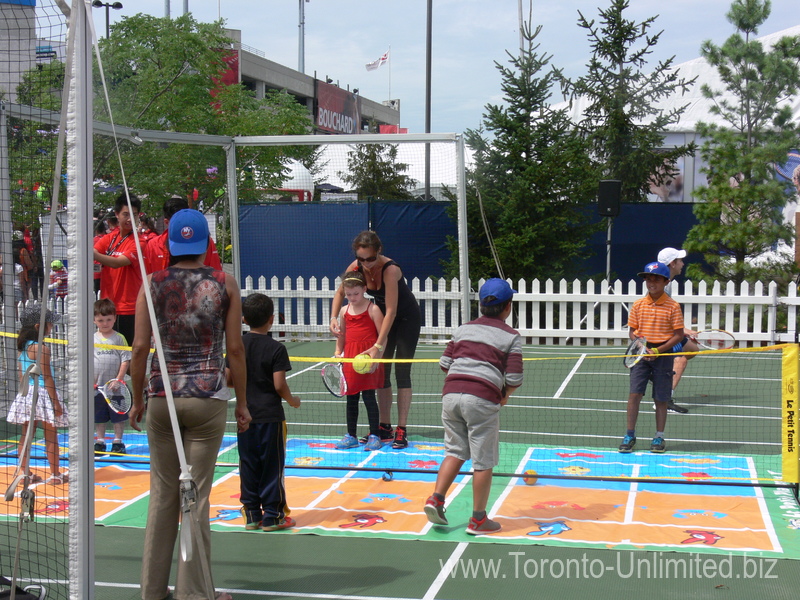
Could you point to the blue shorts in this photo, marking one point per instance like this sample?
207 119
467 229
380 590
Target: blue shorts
659 371
103 413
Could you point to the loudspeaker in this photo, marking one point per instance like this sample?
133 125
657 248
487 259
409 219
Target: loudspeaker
608 196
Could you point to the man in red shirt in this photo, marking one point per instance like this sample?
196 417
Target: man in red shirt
121 279
156 253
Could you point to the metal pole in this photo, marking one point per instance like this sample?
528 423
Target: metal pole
108 27
608 252
80 351
233 204
166 8
428 39
301 42
463 239
6 235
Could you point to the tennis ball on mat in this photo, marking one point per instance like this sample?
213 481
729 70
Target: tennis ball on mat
531 477
362 364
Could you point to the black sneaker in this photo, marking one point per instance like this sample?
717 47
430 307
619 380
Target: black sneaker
672 407
400 438
385 432
118 448
99 449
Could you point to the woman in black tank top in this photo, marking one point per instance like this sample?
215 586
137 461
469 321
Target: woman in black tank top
399 334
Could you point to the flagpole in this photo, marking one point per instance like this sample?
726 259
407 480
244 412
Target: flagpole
390 72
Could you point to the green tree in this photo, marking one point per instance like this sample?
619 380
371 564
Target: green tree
374 172
621 119
164 74
32 145
534 176
741 216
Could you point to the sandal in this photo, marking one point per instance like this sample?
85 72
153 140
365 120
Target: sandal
34 478
59 479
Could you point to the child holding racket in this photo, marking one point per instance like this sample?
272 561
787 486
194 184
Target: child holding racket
361 320
109 363
659 320
262 448
483 363
50 409
673 258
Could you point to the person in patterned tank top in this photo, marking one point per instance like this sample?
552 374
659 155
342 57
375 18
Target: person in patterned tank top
199 314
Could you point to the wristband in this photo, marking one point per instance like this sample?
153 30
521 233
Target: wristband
655 351
379 347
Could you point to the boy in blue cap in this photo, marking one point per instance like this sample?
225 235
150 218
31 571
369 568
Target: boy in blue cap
483 363
658 319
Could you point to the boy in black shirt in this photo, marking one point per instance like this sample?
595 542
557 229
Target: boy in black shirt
262 448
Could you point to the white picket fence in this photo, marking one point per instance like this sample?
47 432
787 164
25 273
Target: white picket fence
554 313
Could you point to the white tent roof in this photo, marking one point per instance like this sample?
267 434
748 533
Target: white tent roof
698 106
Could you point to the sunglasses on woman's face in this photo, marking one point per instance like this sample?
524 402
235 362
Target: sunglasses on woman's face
367 259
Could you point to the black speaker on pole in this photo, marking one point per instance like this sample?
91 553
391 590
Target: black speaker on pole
608 197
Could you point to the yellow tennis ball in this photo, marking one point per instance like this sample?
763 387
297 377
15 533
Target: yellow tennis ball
362 364
531 477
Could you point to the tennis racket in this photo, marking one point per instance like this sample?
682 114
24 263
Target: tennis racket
715 339
636 350
117 395
333 378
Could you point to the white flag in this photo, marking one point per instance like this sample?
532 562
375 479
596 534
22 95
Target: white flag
374 65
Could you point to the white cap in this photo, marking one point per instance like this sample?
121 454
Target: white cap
667 255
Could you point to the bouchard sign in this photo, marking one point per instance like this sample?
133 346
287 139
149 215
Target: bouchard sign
337 110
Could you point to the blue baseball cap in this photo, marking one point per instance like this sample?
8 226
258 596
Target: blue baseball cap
655 268
188 233
495 291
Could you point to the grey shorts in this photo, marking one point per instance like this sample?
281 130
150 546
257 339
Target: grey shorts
471 430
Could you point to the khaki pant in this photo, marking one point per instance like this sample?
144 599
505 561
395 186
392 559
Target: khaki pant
202 423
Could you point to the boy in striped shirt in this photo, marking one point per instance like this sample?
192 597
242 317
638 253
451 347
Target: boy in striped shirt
658 318
483 363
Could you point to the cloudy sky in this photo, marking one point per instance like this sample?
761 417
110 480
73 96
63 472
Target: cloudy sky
468 37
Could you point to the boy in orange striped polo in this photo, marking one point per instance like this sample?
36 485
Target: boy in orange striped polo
658 318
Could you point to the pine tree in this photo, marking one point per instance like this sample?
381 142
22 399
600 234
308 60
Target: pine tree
621 120
533 175
741 218
373 172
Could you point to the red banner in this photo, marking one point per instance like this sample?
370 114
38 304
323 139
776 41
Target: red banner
338 110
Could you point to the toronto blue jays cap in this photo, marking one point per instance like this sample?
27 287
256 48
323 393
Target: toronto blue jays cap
655 268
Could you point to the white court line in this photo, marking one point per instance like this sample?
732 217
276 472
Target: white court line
265 593
444 572
452 560
630 503
762 505
335 486
569 377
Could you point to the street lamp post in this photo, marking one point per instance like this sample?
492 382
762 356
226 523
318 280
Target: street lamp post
114 5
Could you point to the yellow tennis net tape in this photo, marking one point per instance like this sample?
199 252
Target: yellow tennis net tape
789 415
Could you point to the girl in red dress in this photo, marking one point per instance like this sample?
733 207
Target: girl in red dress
361 321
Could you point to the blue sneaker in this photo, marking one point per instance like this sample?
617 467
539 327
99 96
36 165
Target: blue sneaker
657 445
628 442
373 443
348 441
